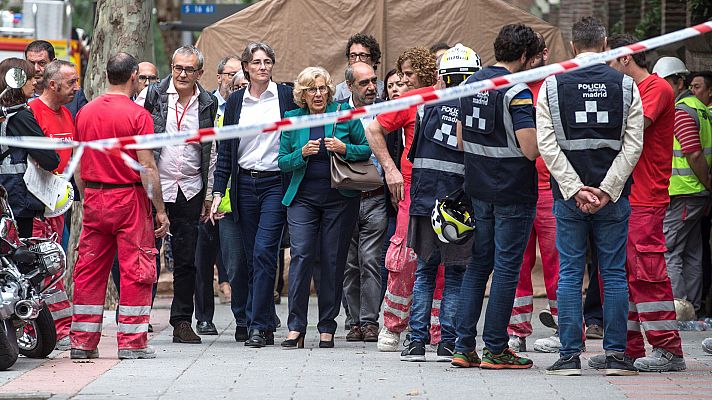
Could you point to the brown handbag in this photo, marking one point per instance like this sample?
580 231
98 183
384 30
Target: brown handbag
353 175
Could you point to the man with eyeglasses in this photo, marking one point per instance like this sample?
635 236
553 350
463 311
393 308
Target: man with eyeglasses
147 74
178 103
360 48
40 53
258 216
362 276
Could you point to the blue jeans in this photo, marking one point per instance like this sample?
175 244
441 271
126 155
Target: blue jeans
235 263
501 235
261 220
423 290
609 227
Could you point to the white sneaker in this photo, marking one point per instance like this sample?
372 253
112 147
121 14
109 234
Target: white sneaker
552 344
387 340
517 344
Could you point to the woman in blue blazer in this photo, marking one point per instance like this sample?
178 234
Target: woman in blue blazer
321 219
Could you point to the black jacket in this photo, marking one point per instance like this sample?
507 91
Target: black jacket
157 104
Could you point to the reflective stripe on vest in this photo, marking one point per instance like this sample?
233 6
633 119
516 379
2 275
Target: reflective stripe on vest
683 180
511 150
438 165
552 92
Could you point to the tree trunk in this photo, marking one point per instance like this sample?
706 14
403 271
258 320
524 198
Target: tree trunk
169 11
119 25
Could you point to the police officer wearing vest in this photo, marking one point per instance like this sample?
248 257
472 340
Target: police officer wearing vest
690 185
590 135
438 171
499 140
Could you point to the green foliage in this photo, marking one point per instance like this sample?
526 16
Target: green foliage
700 10
650 23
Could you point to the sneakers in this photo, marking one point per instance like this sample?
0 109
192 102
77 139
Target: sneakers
63 344
387 340
445 351
507 360
597 362
79 354
547 319
620 365
566 366
135 354
707 345
355 334
660 361
370 333
517 343
552 344
594 332
414 351
465 360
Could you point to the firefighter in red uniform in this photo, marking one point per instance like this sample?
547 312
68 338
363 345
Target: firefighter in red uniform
61 82
117 216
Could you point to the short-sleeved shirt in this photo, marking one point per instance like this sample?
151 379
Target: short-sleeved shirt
111 116
55 124
651 176
404 119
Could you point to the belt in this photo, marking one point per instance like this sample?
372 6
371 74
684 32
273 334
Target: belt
258 174
99 185
375 192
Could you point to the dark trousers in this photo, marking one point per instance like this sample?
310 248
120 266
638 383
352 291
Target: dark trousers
207 254
262 217
235 263
319 223
183 216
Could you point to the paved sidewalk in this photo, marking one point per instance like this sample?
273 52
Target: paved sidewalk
221 368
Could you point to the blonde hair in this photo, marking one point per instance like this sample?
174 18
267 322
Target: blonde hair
306 78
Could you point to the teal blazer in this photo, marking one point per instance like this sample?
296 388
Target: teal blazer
290 148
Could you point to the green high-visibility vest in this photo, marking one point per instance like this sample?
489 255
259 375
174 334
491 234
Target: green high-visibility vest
683 179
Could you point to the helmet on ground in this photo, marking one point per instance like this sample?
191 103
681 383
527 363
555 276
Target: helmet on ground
458 63
668 66
684 310
453 219
64 202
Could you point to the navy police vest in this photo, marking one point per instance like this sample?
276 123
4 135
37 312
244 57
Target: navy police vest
496 170
438 168
589 109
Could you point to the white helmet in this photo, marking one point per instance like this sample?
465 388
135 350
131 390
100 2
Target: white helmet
668 66
459 60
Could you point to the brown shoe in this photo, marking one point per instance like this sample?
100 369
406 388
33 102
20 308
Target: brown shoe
355 334
370 333
183 333
594 332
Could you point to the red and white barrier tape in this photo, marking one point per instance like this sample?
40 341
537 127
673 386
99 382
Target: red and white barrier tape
239 131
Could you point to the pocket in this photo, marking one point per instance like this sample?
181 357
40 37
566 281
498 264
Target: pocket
399 256
145 267
650 262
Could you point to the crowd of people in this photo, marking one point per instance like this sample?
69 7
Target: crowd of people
607 168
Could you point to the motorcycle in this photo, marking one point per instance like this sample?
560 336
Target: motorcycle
29 269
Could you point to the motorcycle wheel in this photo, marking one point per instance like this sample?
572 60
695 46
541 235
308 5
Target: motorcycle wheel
37 337
8 349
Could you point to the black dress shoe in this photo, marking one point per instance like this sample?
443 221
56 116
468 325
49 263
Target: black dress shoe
241 334
206 328
260 338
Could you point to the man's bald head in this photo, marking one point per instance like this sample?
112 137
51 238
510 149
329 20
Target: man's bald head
147 73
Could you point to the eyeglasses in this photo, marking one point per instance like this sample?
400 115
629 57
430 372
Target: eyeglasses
149 78
321 89
229 74
359 56
188 70
256 63
367 82
234 88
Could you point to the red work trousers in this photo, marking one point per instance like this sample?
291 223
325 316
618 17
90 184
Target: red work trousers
117 219
58 303
544 230
651 300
